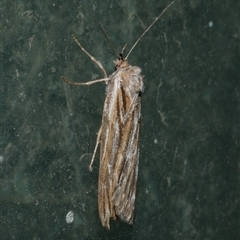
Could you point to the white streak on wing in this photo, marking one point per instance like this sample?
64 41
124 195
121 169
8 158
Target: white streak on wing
111 105
105 146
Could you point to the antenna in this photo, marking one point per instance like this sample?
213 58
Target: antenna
110 43
157 18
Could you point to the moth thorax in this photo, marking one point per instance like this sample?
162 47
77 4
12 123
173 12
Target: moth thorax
120 63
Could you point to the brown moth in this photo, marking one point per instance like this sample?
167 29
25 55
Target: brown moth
119 135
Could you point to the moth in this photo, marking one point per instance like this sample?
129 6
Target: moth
118 137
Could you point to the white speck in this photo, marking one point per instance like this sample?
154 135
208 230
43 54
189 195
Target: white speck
155 141
53 69
210 24
1 159
70 217
169 181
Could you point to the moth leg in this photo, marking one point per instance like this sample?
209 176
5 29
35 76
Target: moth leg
85 83
95 149
92 58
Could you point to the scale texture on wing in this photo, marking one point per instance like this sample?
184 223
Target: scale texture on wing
119 146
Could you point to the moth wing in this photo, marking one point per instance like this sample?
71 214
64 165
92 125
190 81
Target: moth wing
110 136
119 147
125 190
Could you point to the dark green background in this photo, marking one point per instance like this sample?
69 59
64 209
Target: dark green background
188 185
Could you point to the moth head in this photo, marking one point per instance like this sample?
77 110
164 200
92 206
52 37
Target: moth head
121 62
